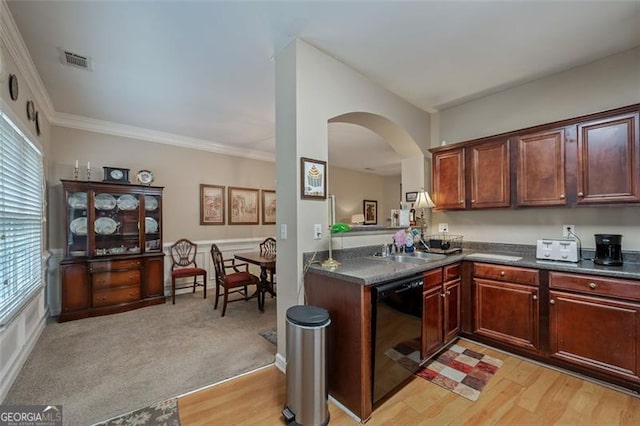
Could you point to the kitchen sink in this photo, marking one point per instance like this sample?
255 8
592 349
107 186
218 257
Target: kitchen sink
415 257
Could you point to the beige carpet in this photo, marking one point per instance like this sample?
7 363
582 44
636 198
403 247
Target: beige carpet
101 367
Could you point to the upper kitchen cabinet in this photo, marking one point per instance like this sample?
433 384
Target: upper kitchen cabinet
490 181
609 160
540 168
449 179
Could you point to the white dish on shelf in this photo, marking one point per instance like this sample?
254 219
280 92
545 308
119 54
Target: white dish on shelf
150 225
78 200
127 202
105 202
150 203
105 226
77 253
78 226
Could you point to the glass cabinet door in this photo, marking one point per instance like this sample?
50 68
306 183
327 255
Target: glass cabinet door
76 223
116 226
152 223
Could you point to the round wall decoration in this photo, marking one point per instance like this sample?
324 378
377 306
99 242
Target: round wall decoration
37 120
13 87
31 111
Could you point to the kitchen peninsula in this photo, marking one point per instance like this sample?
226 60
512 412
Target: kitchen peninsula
562 314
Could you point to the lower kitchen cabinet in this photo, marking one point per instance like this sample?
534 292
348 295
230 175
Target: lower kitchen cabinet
441 308
506 307
594 323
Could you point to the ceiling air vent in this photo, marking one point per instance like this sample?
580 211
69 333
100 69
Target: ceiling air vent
75 60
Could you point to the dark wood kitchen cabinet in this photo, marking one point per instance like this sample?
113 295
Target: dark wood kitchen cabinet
594 323
449 179
441 308
609 160
490 174
540 168
113 259
506 305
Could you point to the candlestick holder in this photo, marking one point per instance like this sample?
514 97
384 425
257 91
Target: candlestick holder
75 173
88 173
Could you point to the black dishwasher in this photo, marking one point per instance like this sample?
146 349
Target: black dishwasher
396 333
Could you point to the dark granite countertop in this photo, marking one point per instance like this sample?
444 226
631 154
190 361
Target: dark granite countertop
361 267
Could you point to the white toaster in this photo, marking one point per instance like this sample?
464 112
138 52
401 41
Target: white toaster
566 250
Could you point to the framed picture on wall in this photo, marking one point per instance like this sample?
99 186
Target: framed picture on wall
268 207
411 197
211 204
370 209
243 206
313 179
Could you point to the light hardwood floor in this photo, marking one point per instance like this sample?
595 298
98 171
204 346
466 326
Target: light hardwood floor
521 393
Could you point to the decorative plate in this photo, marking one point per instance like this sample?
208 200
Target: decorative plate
150 203
78 200
150 225
31 111
127 202
105 226
13 87
105 202
145 177
78 226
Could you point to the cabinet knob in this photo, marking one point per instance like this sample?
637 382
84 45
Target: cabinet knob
502 273
592 285
461 201
473 201
535 297
580 194
561 195
552 302
442 295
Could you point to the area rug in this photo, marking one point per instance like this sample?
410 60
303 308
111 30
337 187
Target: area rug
271 335
457 369
163 413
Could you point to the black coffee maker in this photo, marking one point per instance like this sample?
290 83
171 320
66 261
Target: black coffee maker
608 249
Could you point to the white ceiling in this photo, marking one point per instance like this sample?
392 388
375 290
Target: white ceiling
205 70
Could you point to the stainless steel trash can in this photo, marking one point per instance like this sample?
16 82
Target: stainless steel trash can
307 392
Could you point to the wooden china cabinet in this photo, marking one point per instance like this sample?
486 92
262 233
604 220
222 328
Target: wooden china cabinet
113 259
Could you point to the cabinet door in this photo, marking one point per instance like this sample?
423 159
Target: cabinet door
596 332
448 179
490 179
609 160
76 293
507 312
153 277
451 324
541 169
432 315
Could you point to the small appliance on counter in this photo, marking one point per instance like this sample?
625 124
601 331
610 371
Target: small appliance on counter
608 249
563 249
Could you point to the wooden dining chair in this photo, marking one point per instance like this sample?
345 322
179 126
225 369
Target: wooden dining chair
183 258
268 247
231 277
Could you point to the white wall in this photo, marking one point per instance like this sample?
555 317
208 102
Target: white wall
311 89
606 84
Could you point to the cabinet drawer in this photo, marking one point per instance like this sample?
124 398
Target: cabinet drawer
432 278
115 265
115 296
451 271
506 273
589 284
104 280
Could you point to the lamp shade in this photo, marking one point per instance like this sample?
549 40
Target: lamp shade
357 218
423 201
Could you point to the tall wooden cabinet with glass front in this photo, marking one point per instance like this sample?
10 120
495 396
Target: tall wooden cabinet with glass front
113 259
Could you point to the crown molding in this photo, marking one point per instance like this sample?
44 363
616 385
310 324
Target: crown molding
18 50
122 130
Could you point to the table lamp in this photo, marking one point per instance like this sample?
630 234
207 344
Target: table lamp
423 202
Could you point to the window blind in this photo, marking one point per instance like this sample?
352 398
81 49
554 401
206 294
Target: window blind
21 218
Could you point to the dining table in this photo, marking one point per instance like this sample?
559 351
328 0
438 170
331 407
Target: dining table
266 262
